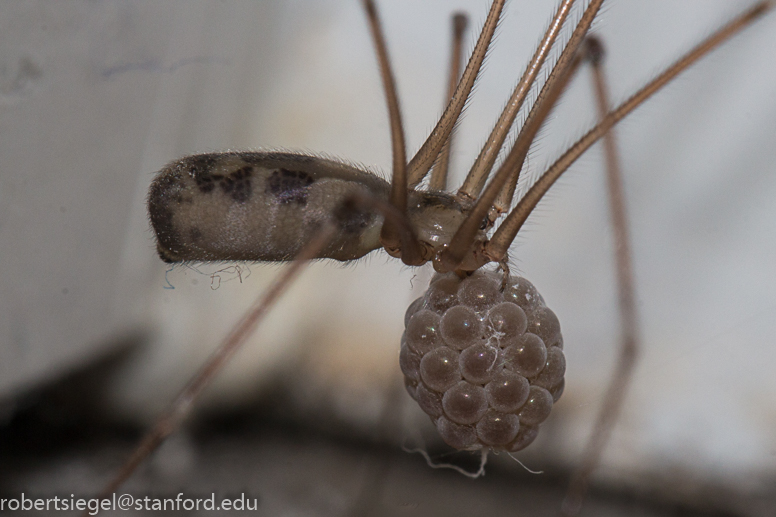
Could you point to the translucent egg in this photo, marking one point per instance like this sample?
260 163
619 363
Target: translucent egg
486 364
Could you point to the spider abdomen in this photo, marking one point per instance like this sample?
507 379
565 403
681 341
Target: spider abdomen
259 206
485 365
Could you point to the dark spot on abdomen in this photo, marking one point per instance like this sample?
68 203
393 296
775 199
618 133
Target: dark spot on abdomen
205 183
199 167
289 186
351 219
238 184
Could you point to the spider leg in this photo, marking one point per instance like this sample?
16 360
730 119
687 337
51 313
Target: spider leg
172 417
497 247
170 420
536 118
423 160
390 235
475 180
629 339
465 236
438 179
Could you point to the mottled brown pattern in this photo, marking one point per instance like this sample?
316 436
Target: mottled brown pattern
289 186
198 167
352 220
238 184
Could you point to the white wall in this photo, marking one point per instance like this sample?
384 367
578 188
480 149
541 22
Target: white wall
94 97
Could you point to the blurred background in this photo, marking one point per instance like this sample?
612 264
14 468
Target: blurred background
97 335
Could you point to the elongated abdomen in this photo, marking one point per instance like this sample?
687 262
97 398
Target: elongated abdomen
258 207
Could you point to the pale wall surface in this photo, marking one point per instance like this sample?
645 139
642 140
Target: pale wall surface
94 97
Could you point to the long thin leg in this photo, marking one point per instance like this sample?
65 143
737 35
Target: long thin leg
536 118
438 180
171 419
629 338
464 237
390 236
423 160
475 180
497 248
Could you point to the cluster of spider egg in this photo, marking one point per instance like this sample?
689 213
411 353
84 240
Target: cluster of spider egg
485 365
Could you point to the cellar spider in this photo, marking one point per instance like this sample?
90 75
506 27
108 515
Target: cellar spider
564 323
